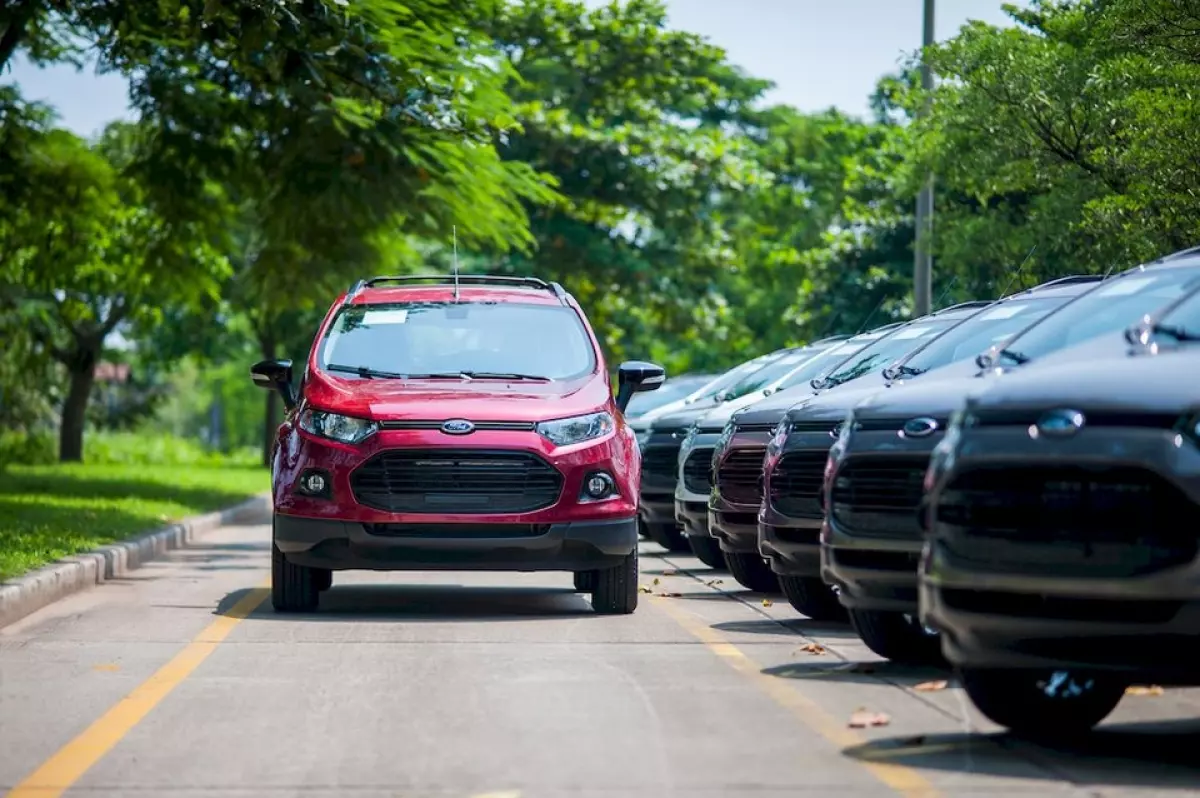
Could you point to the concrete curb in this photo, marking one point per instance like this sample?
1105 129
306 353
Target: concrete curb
37 589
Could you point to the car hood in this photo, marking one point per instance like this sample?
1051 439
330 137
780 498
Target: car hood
936 397
772 408
1140 380
475 400
833 405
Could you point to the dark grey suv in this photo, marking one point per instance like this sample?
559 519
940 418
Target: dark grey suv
1063 561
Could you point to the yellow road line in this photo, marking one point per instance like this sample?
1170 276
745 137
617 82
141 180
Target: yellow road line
58 773
903 780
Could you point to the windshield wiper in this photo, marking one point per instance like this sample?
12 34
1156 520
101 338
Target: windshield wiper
364 372
892 372
1175 331
503 375
1016 357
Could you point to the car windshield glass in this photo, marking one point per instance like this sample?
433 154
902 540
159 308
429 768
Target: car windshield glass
1108 308
718 386
757 380
818 365
449 338
1182 321
992 327
895 344
648 400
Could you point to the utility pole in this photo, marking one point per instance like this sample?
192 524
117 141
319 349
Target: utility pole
922 259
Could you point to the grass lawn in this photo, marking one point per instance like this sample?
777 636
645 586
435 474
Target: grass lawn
49 512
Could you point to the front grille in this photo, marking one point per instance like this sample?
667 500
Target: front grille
796 483
879 495
661 461
450 481
697 471
458 531
740 476
1068 520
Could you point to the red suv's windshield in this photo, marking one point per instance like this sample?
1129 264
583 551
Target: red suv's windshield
451 338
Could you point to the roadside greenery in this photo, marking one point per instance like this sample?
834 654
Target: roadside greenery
285 149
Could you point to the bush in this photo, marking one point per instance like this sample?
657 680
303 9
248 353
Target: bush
131 448
27 448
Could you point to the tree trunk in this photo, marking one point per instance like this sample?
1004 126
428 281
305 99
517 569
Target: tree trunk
19 18
74 411
271 416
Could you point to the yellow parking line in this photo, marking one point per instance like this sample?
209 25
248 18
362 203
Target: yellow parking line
58 773
903 780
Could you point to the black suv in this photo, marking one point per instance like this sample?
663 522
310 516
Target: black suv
871 540
735 502
1063 562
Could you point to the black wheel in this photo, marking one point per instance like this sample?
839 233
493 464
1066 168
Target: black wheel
323 577
752 572
706 550
812 597
1049 705
668 536
293 587
898 637
615 590
585 581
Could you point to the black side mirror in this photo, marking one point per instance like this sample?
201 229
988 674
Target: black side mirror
275 375
635 376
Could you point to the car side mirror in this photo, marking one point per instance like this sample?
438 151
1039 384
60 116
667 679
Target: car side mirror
275 375
636 376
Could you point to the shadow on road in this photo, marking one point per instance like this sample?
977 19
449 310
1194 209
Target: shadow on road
1154 754
793 627
826 668
444 603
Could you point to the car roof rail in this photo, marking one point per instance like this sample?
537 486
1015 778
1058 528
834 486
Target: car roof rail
1070 279
829 339
472 279
973 303
1183 253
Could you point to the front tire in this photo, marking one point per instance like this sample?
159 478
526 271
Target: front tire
751 572
706 549
294 588
897 637
615 591
812 597
585 581
1048 705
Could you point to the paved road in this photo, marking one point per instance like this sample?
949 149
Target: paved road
181 682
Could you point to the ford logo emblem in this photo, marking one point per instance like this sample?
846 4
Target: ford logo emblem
919 427
458 426
1060 423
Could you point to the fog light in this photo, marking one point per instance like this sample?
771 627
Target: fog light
598 485
313 483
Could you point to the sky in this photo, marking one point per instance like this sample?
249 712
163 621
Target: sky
819 53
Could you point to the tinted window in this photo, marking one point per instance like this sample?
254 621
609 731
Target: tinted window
886 350
991 327
766 375
1110 307
817 366
449 337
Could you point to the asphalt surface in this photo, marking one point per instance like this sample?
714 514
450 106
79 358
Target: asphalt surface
182 681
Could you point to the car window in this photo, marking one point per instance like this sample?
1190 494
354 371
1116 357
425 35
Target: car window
648 400
1113 305
990 327
718 386
1184 317
818 365
886 350
768 374
450 337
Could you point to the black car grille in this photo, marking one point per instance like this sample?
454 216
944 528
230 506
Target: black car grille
462 481
878 496
661 461
796 482
697 471
740 476
1067 520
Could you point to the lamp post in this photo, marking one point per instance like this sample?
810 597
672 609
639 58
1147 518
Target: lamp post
922 258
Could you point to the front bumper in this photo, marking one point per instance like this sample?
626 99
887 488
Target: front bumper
1124 599
660 456
343 545
789 520
694 483
871 539
736 495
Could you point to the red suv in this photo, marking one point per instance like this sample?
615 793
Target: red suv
467 424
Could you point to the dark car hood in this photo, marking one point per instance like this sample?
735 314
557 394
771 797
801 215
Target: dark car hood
682 418
772 408
936 397
832 406
1138 379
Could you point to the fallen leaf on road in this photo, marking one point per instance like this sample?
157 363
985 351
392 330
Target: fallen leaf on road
656 580
670 572
862 719
813 648
767 602
643 589
670 595
1139 689
929 687
715 582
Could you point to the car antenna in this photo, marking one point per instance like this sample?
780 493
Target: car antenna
1017 273
454 234
943 296
871 315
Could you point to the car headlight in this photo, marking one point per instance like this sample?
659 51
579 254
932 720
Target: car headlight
577 429
344 429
